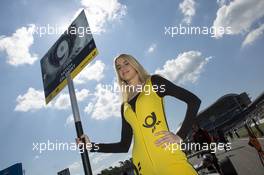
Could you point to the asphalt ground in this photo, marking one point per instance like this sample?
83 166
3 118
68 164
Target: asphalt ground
244 157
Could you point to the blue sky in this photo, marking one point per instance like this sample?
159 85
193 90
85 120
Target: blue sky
208 66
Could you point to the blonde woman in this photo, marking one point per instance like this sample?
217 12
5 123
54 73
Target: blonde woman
143 117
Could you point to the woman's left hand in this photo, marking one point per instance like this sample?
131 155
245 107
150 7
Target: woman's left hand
168 137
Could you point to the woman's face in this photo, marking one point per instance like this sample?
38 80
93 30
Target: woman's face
125 70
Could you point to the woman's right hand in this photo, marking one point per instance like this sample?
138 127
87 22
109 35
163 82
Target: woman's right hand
80 140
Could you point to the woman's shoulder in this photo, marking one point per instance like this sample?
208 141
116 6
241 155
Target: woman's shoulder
157 79
155 76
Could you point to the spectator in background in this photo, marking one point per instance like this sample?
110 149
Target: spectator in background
254 142
222 138
235 131
231 135
202 137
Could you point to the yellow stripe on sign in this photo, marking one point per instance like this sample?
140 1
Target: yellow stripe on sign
75 72
84 62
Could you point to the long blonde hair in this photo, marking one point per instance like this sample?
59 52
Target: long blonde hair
142 73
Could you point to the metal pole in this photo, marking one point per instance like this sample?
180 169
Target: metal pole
78 125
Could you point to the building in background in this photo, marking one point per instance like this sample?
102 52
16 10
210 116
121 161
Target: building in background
225 111
15 169
229 112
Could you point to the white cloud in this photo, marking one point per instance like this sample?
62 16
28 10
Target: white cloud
222 2
99 13
106 103
69 121
34 100
187 8
93 71
31 100
63 100
100 157
89 108
75 168
240 15
81 95
187 67
17 46
253 35
152 48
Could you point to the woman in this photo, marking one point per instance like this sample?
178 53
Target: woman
144 117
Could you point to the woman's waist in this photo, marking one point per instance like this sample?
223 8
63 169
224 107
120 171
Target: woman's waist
155 152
